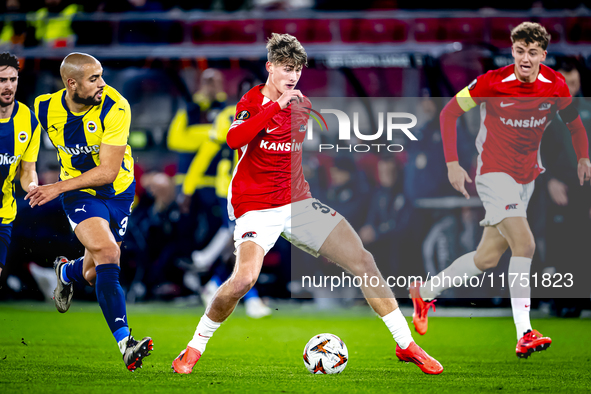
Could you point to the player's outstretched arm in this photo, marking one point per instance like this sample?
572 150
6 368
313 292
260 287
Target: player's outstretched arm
29 179
28 176
111 157
457 176
449 135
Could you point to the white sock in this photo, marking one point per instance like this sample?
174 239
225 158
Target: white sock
123 344
398 326
520 295
463 265
204 331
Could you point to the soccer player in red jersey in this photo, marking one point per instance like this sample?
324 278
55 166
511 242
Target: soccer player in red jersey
516 104
269 197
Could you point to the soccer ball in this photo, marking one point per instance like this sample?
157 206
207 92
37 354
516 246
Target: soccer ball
325 354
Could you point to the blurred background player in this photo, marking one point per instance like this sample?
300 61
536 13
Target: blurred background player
508 166
190 126
88 123
189 137
570 205
215 157
19 148
269 197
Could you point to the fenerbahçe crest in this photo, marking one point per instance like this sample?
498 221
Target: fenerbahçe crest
23 136
91 126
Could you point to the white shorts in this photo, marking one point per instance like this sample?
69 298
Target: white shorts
306 224
502 197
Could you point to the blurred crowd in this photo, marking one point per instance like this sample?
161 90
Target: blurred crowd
57 6
176 24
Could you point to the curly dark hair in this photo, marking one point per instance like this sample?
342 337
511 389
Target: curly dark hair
531 32
6 59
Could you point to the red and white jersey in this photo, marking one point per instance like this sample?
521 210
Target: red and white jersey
513 117
269 170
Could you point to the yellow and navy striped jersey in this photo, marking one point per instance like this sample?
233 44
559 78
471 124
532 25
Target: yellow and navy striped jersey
19 140
78 136
213 164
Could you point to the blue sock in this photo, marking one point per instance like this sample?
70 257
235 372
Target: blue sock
72 272
112 299
252 293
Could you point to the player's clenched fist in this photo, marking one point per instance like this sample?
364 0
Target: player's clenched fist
457 175
290 95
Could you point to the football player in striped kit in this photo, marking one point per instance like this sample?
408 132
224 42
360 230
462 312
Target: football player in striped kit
88 123
19 148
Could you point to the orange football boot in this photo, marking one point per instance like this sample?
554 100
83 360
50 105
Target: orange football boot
421 308
414 354
185 361
531 341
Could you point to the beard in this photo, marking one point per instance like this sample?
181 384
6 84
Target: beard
89 100
4 104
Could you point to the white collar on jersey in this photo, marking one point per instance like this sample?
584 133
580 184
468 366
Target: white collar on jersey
513 77
266 100
543 78
510 78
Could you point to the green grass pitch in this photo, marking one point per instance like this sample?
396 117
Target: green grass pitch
43 351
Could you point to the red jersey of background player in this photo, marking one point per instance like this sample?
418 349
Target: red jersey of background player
269 171
513 116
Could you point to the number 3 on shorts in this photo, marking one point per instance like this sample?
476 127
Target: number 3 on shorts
123 228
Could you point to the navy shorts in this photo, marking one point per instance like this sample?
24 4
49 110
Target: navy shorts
5 232
80 206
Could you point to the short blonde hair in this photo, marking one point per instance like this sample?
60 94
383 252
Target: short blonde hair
531 32
286 49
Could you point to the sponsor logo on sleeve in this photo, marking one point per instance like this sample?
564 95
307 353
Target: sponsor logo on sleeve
249 234
243 115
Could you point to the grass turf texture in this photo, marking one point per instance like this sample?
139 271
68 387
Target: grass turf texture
75 352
